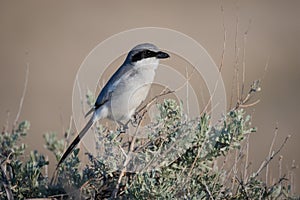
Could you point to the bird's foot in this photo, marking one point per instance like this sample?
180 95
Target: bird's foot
122 128
136 120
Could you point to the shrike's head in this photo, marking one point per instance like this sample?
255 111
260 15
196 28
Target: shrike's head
145 54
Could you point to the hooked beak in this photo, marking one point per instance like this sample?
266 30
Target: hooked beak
162 55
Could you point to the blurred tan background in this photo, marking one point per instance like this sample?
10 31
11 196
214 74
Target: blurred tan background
54 37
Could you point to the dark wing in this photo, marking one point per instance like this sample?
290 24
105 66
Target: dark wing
108 89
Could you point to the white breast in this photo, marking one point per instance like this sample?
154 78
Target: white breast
132 89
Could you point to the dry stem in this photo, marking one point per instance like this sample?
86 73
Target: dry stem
23 95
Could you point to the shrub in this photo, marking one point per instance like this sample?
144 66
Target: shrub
177 160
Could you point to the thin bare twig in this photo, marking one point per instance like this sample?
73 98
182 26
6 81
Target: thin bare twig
127 160
244 64
6 184
280 165
238 156
23 95
247 158
237 52
268 160
244 59
164 92
210 99
187 91
197 157
266 68
80 96
241 183
208 192
234 168
224 39
187 80
250 104
6 126
270 150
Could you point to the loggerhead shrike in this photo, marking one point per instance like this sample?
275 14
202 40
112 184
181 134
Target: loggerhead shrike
126 89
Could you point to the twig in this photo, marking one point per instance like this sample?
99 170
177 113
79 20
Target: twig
283 178
244 59
234 167
223 183
224 40
280 165
212 109
237 52
187 80
244 191
266 68
89 181
236 49
5 180
6 126
268 160
270 150
187 92
80 96
249 105
197 157
208 192
210 99
127 160
23 95
244 64
164 92
247 158
238 157
58 195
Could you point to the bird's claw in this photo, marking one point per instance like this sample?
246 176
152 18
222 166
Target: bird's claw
136 120
122 128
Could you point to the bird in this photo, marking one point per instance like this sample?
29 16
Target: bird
124 92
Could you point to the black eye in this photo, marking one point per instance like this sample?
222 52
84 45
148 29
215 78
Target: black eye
146 54
149 54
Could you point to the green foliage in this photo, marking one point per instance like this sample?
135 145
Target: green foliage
23 176
191 175
176 160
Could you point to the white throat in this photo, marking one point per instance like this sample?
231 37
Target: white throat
148 62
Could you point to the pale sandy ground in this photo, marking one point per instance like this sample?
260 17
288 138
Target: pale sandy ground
55 37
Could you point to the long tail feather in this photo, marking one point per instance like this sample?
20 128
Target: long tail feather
76 141
89 112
